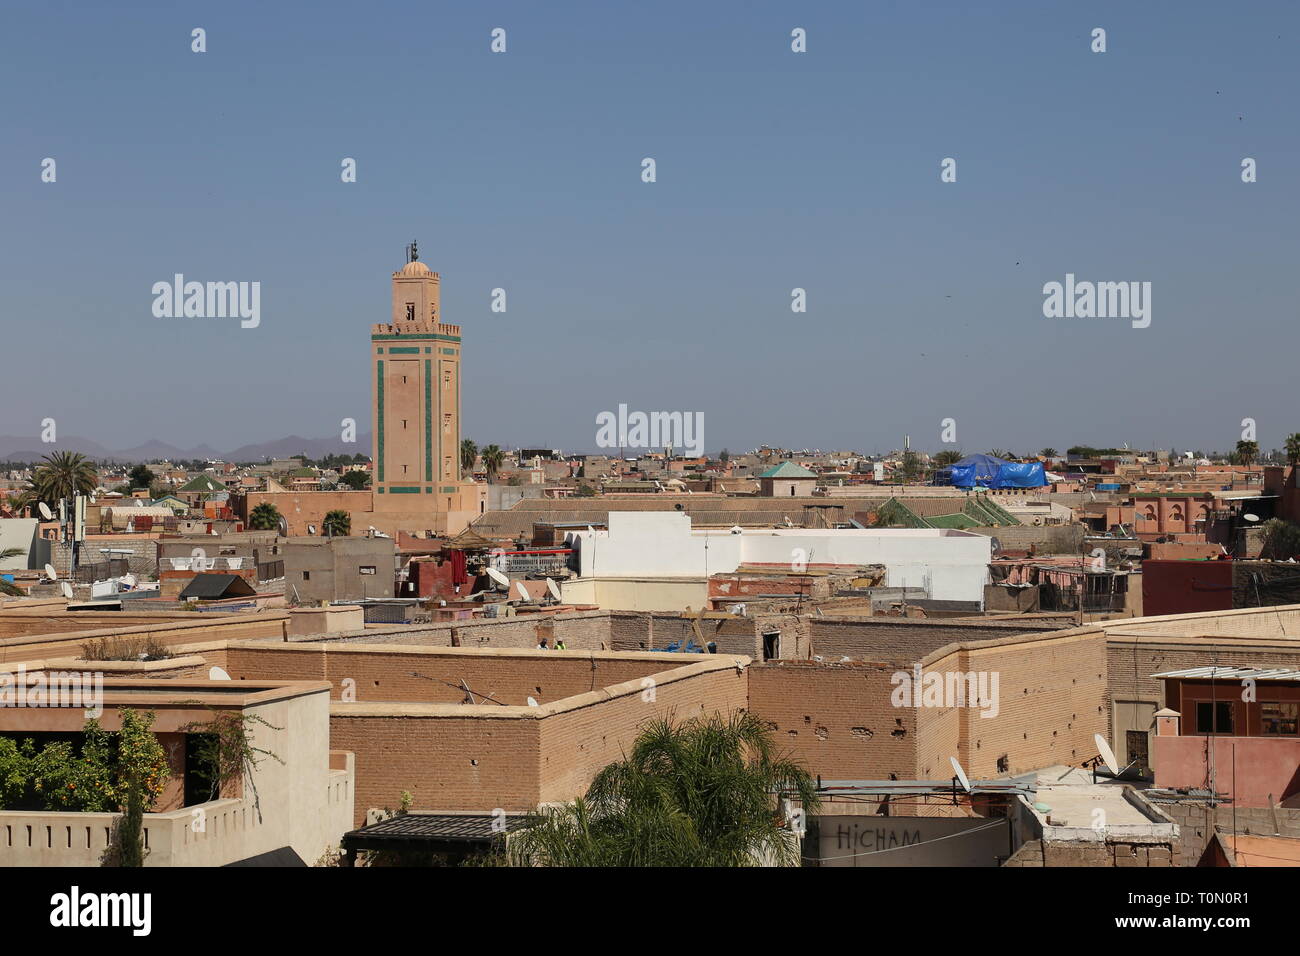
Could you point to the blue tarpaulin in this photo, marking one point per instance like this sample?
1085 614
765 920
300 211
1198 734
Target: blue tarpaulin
1019 475
985 471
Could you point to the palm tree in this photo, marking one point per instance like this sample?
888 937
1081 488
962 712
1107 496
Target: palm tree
701 793
947 457
265 517
63 474
1293 448
492 459
1048 452
337 523
1246 451
468 453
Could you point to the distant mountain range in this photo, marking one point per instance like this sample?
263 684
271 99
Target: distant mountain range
17 448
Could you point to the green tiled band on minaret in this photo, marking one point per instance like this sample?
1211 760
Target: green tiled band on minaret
379 432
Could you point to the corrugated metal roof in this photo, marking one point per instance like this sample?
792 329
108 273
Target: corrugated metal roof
1234 673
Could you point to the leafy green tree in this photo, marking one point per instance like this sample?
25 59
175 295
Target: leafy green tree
140 477
1280 540
910 469
356 480
265 517
62 474
493 457
337 523
468 455
1293 448
700 793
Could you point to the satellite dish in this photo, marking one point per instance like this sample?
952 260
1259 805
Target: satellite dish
532 702
139 502
311 529
66 588
1250 517
497 577
45 511
51 573
522 591
553 588
282 526
1107 755
216 673
590 529
961 774
129 580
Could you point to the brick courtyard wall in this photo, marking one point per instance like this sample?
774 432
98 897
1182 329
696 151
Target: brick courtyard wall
594 730
836 719
382 673
900 640
1051 701
463 757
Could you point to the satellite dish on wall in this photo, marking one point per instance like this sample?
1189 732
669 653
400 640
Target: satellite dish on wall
961 774
553 588
51 573
522 591
217 673
532 702
1250 517
1107 755
497 577
282 526
311 529
66 588
45 511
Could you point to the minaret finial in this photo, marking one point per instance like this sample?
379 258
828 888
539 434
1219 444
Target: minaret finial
413 251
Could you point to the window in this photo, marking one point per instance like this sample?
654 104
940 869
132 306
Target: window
771 645
410 311
1214 717
306 575
1279 717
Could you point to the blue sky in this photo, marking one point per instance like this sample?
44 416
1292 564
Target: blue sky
775 170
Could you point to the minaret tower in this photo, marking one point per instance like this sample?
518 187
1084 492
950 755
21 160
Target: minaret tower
415 362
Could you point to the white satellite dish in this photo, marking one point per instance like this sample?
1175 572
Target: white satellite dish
523 591
961 774
532 702
1107 755
1250 517
553 588
66 588
139 502
311 529
45 511
128 580
216 673
51 573
497 577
